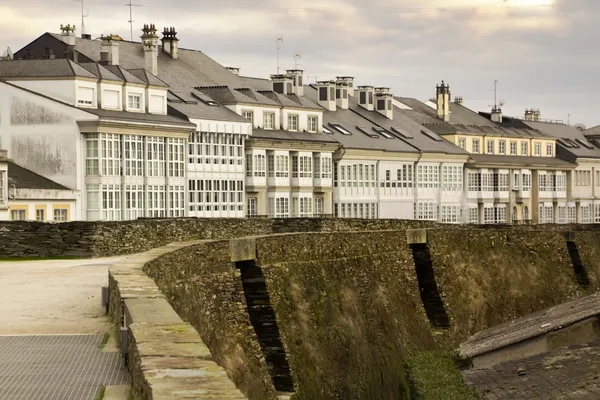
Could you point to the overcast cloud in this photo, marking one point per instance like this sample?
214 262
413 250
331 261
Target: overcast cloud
543 52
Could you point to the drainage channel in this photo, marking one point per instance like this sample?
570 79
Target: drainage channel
430 294
583 280
264 322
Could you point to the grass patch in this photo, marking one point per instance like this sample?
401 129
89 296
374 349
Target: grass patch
435 376
101 393
104 340
33 258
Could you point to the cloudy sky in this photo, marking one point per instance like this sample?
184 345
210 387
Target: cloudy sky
542 52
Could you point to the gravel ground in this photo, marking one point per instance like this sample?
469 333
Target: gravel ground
53 296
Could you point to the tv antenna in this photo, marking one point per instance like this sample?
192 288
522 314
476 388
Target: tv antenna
83 16
278 40
131 21
497 104
297 58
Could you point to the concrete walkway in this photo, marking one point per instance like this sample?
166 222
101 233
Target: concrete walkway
52 327
53 296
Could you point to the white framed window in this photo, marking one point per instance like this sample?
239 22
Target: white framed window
259 165
133 149
489 215
270 165
473 216
318 206
524 149
306 207
476 148
426 210
313 123
279 207
490 147
428 176
462 143
571 214
517 181
18 215
111 154
111 202
474 181
292 122
549 150
282 166
538 149
93 202
176 201
526 181
513 148
85 96
61 215
176 163
40 214
249 115
155 156
134 101
450 213
92 155
452 178
269 121
502 147
305 166
156 201
134 201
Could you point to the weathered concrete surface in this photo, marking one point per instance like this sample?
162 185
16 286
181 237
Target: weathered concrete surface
166 356
117 392
568 373
416 236
242 249
572 323
53 296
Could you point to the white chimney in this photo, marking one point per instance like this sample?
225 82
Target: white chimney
383 102
68 34
150 45
326 94
366 96
170 43
297 77
341 94
110 46
496 115
443 101
532 115
282 84
349 80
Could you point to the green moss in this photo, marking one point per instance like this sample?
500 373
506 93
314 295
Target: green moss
101 393
435 376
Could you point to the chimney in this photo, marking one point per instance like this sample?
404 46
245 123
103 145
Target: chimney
496 115
170 43
233 70
282 84
110 46
383 102
443 101
349 81
531 115
68 34
86 36
150 45
48 54
297 77
327 97
365 97
537 116
341 94
458 100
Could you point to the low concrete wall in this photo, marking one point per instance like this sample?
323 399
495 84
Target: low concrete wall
166 356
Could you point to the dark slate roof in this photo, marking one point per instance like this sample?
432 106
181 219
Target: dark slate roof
258 83
23 178
184 103
561 132
125 75
595 130
140 117
462 120
147 77
523 161
42 68
289 135
100 71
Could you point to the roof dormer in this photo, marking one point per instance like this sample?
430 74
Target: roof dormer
327 94
383 102
366 96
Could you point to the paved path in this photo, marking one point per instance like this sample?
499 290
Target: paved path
570 373
52 324
53 296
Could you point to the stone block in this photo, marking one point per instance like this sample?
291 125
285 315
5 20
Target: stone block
242 249
180 333
416 236
154 311
167 349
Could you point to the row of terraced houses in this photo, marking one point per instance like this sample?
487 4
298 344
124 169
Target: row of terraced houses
106 129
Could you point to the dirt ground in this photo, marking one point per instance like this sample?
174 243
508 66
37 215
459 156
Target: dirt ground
53 296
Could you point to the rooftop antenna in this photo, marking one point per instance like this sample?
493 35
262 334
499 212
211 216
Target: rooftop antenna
83 16
297 58
131 21
497 104
278 40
